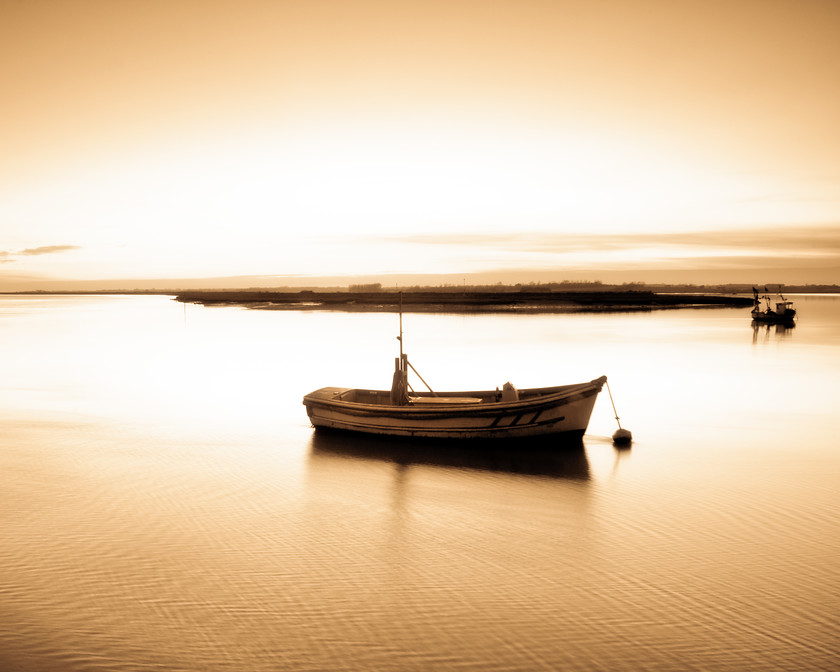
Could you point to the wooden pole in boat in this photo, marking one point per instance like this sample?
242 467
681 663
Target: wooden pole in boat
621 436
400 386
400 337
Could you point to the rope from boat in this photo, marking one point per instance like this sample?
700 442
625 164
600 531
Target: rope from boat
613 403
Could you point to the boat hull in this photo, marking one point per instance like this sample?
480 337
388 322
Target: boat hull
564 411
770 317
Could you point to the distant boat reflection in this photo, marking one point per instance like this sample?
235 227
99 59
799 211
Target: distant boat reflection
536 458
779 329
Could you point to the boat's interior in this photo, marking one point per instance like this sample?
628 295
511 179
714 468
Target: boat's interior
507 394
383 397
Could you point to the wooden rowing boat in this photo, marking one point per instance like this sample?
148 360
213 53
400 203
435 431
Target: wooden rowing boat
510 413
563 410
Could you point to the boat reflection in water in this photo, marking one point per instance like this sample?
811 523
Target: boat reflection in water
779 329
537 457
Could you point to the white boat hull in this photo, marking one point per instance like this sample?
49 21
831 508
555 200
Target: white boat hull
564 410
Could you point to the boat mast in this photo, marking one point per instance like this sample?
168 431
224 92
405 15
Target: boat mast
400 337
400 385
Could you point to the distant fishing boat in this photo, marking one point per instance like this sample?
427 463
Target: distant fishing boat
563 410
780 313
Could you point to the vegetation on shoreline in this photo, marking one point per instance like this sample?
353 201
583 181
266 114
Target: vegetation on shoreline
373 299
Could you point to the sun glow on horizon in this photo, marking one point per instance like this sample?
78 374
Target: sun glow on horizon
269 202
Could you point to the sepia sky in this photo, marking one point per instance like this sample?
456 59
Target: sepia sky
638 139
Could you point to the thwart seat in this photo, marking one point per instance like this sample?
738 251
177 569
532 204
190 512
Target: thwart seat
444 400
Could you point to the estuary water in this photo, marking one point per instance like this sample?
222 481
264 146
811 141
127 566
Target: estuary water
167 506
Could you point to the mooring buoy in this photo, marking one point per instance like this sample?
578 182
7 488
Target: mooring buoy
622 437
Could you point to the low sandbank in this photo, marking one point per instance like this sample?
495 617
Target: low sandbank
463 302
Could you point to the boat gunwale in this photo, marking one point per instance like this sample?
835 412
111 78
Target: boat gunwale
547 399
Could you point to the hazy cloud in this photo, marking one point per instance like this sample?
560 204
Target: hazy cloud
48 249
825 240
8 256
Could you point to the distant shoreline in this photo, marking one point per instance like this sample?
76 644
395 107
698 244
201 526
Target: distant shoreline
463 301
559 297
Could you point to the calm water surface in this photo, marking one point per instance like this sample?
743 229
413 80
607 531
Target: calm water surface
166 505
